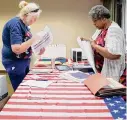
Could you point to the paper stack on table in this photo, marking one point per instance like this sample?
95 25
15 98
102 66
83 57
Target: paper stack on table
46 39
76 76
41 71
37 83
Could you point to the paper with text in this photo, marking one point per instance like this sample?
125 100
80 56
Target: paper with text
46 39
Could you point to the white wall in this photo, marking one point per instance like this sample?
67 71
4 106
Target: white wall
66 18
126 22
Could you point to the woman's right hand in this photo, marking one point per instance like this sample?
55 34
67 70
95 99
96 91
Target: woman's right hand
85 39
82 39
42 51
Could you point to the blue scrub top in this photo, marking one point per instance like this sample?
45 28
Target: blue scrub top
15 32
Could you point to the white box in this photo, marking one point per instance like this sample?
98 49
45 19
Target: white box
3 87
54 51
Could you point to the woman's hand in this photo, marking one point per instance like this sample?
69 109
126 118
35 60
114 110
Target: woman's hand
93 44
85 39
82 39
42 51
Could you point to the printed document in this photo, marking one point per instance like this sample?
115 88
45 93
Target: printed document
46 39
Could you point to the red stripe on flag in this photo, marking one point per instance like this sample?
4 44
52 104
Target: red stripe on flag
56 103
57 89
57 110
7 117
46 93
54 98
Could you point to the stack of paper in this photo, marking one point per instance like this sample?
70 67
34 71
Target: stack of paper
35 77
34 83
76 76
41 71
58 50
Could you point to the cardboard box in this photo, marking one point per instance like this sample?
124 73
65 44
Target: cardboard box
3 91
3 102
9 85
3 87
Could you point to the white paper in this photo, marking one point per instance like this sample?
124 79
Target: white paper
41 71
76 76
35 77
46 39
34 83
86 47
52 51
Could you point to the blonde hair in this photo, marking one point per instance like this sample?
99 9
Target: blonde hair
27 8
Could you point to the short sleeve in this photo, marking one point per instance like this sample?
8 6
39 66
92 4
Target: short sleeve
115 41
16 34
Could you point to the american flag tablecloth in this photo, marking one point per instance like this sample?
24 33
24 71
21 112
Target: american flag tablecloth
62 100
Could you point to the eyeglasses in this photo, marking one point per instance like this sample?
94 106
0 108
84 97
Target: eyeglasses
36 10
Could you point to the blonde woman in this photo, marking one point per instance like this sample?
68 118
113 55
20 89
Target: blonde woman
17 39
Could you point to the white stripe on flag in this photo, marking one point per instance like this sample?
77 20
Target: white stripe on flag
64 87
56 96
57 101
51 91
56 114
57 107
80 84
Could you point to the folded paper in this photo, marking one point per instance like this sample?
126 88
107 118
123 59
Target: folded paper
102 87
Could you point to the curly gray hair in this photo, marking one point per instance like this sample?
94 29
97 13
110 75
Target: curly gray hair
99 12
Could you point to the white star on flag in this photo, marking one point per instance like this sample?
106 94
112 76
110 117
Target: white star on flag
119 118
122 98
114 96
117 101
122 107
108 98
111 104
115 111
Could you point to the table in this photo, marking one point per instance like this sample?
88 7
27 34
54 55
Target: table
62 100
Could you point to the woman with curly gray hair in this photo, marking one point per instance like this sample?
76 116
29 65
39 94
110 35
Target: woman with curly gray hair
108 43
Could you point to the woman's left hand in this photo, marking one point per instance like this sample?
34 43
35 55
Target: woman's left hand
42 51
93 44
